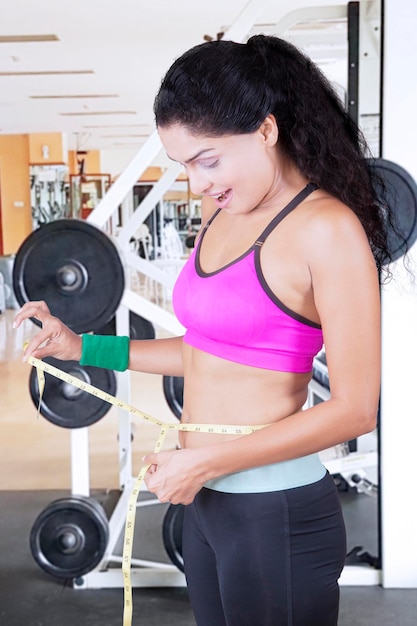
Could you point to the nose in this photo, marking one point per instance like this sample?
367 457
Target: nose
199 182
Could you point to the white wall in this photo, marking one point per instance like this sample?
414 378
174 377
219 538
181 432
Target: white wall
399 313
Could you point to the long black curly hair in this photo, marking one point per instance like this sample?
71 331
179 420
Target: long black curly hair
223 87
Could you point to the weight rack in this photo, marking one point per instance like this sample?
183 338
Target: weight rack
144 573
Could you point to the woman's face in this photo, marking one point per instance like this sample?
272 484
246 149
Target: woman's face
239 171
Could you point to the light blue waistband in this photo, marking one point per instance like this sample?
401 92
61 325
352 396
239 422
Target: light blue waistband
276 477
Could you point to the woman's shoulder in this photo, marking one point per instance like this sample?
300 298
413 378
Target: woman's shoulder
325 216
330 231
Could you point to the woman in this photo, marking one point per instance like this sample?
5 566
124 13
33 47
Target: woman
290 253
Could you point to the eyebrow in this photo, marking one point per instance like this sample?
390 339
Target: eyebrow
193 158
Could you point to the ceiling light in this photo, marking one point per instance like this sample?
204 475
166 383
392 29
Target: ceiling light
125 143
27 38
117 126
121 136
48 73
102 95
101 113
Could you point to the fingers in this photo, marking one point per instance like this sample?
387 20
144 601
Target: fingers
152 481
44 342
163 480
54 339
37 309
150 459
34 346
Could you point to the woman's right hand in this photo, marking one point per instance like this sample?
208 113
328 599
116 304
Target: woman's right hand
54 339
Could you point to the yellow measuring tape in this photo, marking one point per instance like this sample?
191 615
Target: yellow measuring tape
164 428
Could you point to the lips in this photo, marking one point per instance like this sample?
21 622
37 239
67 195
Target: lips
222 197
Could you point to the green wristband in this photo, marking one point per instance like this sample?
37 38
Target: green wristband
106 351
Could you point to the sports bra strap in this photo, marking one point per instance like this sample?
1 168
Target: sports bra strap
308 189
209 221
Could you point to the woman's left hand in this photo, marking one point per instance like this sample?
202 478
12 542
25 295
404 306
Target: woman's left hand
174 476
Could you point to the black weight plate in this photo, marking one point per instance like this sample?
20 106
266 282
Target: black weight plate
69 537
68 406
173 387
76 268
172 534
401 192
139 327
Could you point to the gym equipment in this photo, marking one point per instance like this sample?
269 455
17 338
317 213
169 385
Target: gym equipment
69 537
76 268
401 192
139 327
6 269
68 406
173 387
2 294
128 499
172 534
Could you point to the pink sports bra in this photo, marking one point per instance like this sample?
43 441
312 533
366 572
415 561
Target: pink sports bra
233 314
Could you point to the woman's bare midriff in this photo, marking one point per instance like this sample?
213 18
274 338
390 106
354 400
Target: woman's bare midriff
218 391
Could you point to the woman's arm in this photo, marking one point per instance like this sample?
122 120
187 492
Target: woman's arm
346 294
155 356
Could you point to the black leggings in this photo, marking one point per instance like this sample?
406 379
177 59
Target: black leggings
265 559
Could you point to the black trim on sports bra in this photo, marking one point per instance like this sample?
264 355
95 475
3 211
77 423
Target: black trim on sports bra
308 189
198 268
258 267
274 298
302 195
256 247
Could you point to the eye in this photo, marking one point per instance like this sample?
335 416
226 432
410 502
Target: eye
209 163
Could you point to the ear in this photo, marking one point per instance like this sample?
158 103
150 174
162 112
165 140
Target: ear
269 130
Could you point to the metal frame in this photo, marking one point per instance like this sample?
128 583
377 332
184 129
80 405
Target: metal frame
144 573
341 461
353 60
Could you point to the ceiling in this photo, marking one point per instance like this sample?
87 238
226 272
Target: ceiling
96 74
